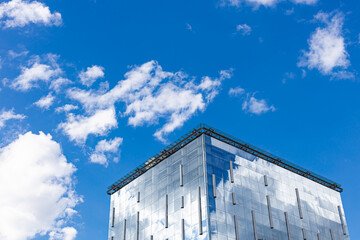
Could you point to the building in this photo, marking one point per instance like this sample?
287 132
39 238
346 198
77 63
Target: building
209 185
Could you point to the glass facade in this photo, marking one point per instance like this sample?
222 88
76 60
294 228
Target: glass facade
169 201
211 190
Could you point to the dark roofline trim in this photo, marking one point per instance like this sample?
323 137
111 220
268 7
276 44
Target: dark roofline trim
217 134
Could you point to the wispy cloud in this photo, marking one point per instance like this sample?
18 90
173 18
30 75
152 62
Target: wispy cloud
289 11
256 106
327 51
6 115
189 27
255 3
18 13
37 71
59 83
66 108
288 76
244 29
45 102
250 103
236 91
266 3
12 54
306 2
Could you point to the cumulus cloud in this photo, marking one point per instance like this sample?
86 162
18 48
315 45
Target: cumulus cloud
104 150
256 106
151 94
66 108
244 29
36 187
79 127
327 51
45 102
37 72
89 76
6 115
18 13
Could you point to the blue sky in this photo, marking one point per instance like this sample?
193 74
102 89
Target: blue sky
92 89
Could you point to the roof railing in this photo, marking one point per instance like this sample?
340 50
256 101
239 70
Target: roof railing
224 137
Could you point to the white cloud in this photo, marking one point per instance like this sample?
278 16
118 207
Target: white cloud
255 3
256 106
37 72
6 115
151 94
98 158
109 146
12 54
79 127
189 27
236 91
288 76
36 187
89 76
265 3
244 29
18 13
66 233
327 51
342 75
58 83
307 2
66 108
46 101
250 103
105 149
289 11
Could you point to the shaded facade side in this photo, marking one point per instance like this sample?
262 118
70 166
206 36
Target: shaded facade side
252 199
211 190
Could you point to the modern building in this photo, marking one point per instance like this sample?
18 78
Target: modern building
210 185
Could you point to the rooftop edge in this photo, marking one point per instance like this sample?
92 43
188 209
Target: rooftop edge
226 138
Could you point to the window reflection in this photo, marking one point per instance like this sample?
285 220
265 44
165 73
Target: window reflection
252 197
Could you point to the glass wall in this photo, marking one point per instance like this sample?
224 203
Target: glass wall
250 198
209 184
169 201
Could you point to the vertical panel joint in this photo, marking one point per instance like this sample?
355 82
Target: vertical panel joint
299 203
231 172
181 175
269 211
266 181
287 225
113 218
214 185
200 214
